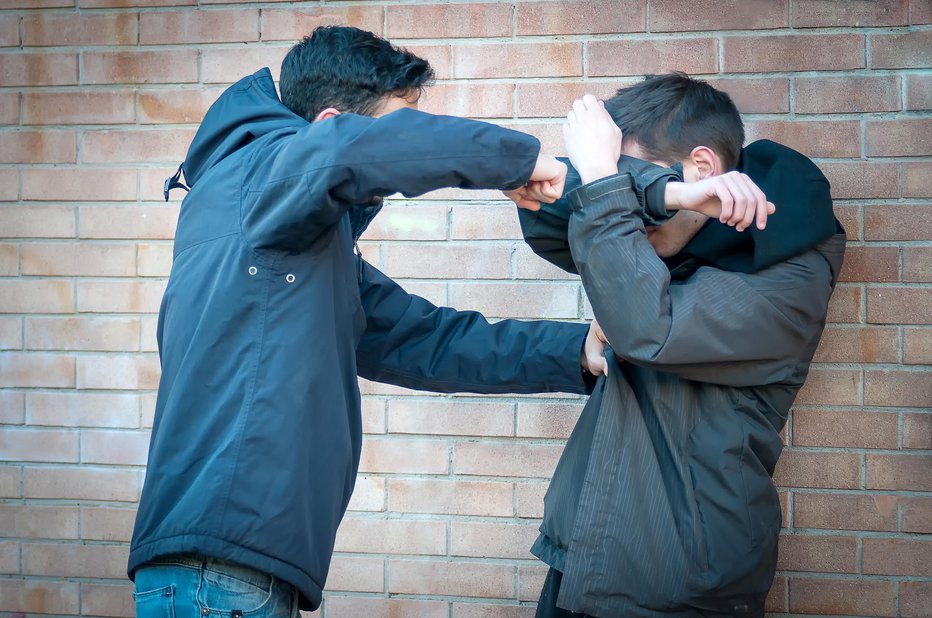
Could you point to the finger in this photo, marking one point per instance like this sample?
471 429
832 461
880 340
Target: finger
763 206
721 191
755 204
740 200
579 107
590 102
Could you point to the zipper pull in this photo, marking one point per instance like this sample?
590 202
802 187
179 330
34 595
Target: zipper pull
358 260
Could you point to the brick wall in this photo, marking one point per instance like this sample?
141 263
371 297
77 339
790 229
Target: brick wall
98 100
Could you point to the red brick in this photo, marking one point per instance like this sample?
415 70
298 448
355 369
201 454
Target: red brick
37 222
114 447
470 579
120 296
529 265
451 418
9 260
917 264
405 456
294 24
766 53
379 607
871 263
483 498
124 146
449 21
858 598
77 409
492 610
225 66
824 470
103 561
898 388
823 554
392 536
373 416
902 51
475 100
108 600
525 300
640 57
130 222
118 372
847 95
37 147
107 524
38 69
862 179
38 522
917 431
357 574
757 95
93 334
851 218
845 305
492 540
36 296
9 558
140 67
79 184
547 420
918 92
897 557
505 459
30 596
530 582
38 445
854 429
82 259
917 515
9 185
899 138
152 185
12 408
517 60
889 305
587 17
831 387
776 599
37 4
917 179
858 345
78 29
369 494
9 31
897 222
905 472
397 222
814 138
845 511
439 57
106 4
154 261
81 483
192 27
530 498
553 100
915 597
37 370
917 346
448 261
10 481
176 106
685 15
830 14
9 108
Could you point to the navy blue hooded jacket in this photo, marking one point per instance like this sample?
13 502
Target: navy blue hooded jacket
269 316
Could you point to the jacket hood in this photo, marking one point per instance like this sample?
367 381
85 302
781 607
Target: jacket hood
245 111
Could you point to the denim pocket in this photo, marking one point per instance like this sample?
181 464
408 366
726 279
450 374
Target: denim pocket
224 594
159 603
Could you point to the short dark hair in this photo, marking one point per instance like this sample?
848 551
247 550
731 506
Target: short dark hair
349 69
669 115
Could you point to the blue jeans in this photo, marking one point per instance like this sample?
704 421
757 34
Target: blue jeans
195 587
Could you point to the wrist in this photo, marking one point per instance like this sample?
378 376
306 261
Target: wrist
593 173
671 195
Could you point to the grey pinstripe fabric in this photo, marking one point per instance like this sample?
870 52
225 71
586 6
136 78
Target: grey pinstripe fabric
663 504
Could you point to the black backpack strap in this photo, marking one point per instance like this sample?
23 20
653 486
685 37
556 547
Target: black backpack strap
174 182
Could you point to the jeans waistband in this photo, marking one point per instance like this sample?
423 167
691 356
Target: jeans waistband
226 567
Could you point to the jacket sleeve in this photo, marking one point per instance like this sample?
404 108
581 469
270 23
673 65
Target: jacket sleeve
717 326
301 184
412 343
546 230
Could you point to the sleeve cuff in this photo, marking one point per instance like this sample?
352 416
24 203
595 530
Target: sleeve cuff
586 195
650 182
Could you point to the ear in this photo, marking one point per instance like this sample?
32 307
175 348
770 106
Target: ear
330 112
706 162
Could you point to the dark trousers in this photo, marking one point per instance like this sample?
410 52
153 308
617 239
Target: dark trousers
547 605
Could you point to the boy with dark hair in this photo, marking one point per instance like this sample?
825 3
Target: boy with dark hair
662 503
268 318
